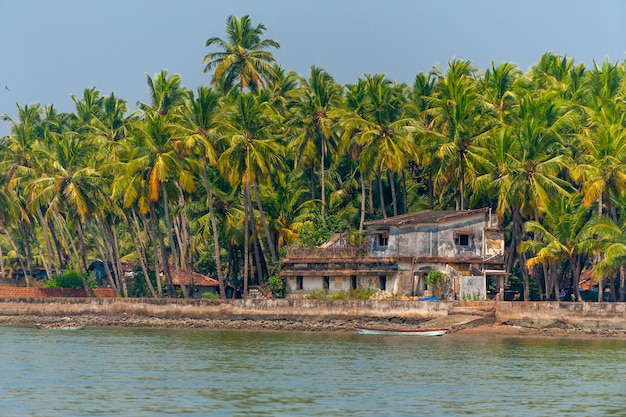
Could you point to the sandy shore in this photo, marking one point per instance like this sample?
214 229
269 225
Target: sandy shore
480 329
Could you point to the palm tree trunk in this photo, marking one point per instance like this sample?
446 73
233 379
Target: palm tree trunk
392 184
555 281
404 202
140 256
371 197
77 260
246 240
82 246
111 235
462 184
58 247
612 287
363 191
17 253
216 241
181 238
381 195
431 191
266 228
46 234
103 256
163 252
576 271
323 162
258 269
173 246
152 236
312 175
622 283
26 246
525 277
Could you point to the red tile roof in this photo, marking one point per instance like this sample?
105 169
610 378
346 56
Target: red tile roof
199 280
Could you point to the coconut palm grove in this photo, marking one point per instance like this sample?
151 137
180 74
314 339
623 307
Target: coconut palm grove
224 179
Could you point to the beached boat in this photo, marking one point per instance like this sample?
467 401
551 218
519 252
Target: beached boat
402 332
61 326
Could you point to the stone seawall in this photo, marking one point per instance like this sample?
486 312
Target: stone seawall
108 310
296 309
543 314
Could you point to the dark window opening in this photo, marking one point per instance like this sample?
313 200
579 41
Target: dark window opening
383 282
299 282
326 283
462 238
382 238
353 282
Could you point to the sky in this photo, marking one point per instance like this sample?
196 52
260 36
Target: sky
50 50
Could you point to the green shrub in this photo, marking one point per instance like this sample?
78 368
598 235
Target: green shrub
69 279
473 297
437 281
361 293
210 296
341 295
318 295
277 286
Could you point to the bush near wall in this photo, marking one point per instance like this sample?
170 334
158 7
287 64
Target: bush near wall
33 292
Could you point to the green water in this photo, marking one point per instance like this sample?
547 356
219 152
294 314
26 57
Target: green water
132 372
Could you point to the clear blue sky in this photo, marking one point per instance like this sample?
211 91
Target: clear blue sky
51 49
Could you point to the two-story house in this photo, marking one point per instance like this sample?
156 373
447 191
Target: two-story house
401 250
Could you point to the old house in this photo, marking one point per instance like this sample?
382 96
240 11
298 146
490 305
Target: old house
399 253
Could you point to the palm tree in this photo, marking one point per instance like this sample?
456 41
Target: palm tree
565 240
381 131
68 183
197 123
243 58
601 164
316 131
166 93
612 242
456 109
521 167
499 89
19 164
250 156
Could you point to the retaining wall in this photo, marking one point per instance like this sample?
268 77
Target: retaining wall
299 309
7 291
532 314
541 314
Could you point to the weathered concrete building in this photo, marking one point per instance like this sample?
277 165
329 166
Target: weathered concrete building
401 250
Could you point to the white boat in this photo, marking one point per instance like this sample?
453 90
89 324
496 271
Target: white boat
402 332
61 326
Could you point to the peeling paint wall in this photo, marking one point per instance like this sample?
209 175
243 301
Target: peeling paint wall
474 287
436 240
337 284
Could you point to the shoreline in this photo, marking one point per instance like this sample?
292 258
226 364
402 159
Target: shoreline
338 325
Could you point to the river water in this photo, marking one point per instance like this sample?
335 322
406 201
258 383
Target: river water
149 372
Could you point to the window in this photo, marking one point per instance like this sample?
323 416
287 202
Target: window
462 237
299 282
326 283
353 282
383 282
382 238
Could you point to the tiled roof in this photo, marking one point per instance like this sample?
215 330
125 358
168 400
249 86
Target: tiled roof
425 217
198 279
